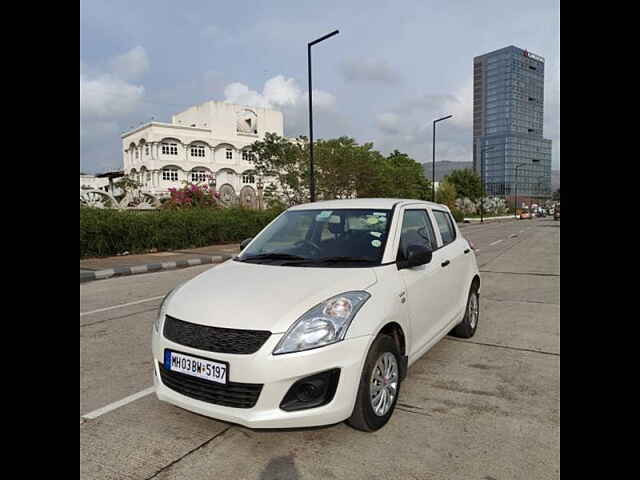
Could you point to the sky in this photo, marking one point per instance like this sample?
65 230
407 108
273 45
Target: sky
394 67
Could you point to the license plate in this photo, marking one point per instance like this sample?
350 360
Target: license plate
196 366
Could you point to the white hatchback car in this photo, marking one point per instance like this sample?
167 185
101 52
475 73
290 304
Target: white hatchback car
319 317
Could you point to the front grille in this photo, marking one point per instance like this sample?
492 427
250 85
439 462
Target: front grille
214 339
233 394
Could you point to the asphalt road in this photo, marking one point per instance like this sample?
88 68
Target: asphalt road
486 408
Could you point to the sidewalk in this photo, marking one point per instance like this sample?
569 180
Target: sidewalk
107 267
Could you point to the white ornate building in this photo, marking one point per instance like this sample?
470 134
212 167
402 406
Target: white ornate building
205 140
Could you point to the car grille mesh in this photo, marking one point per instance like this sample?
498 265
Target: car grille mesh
233 394
214 339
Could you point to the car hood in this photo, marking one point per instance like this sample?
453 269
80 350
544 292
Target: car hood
261 297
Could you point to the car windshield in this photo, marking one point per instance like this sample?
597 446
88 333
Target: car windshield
326 238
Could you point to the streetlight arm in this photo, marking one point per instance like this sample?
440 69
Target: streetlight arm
443 118
335 32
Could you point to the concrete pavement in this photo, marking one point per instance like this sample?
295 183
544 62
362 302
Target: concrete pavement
485 408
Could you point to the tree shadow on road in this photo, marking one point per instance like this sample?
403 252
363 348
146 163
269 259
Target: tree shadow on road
280 468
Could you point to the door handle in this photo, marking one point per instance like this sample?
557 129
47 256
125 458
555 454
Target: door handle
445 263
467 251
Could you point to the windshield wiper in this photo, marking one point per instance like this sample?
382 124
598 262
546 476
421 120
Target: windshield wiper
272 256
340 259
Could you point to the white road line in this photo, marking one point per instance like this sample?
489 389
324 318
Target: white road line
114 405
496 242
82 314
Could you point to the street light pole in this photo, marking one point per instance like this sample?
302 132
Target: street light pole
515 207
534 160
433 177
482 150
312 179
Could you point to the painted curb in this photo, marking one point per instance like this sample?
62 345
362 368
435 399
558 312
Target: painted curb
150 267
474 220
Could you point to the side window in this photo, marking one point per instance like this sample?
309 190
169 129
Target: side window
416 230
445 225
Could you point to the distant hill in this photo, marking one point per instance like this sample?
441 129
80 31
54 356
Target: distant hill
445 167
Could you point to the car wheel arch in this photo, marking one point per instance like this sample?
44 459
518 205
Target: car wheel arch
476 282
397 333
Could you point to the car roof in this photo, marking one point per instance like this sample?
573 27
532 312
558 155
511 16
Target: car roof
381 203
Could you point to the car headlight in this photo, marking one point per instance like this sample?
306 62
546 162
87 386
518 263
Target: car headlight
324 324
162 311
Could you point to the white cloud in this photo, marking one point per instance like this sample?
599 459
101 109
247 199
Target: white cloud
278 93
284 94
388 122
106 96
131 65
369 70
409 128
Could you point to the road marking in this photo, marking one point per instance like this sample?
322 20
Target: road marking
114 405
82 314
496 242
522 231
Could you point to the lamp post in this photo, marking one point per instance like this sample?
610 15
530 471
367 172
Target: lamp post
312 180
260 186
516 199
535 160
433 158
482 150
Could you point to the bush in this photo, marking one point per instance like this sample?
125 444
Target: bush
457 215
110 232
191 195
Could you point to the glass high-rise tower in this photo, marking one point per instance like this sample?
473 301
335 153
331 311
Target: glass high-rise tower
508 107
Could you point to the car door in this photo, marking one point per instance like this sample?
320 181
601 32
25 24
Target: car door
454 264
424 291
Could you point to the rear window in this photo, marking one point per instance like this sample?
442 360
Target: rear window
445 225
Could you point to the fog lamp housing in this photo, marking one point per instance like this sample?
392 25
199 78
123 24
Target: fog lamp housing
311 392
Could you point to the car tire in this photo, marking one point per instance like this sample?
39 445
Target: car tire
467 328
364 417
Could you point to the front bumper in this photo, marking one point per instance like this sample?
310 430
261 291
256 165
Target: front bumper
277 373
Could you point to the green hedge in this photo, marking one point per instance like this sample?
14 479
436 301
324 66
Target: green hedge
109 232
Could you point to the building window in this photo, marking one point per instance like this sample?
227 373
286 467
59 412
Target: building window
136 153
146 150
170 174
169 149
197 151
229 154
198 176
248 177
247 156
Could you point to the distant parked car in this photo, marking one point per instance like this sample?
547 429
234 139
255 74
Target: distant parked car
556 213
524 215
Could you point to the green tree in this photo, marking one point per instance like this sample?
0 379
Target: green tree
446 194
344 169
467 182
128 184
404 178
287 163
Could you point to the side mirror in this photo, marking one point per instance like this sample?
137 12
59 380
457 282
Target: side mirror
418 255
245 242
